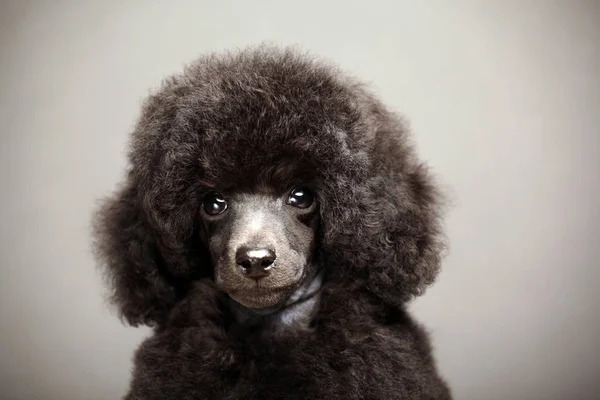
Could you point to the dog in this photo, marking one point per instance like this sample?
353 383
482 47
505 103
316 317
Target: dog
273 224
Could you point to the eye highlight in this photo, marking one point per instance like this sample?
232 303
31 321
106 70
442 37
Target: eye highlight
214 203
301 197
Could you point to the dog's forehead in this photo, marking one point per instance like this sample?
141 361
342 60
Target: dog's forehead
262 177
275 130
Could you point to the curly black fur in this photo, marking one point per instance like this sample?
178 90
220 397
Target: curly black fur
253 116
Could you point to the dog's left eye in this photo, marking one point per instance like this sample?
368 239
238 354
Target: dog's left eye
214 203
301 197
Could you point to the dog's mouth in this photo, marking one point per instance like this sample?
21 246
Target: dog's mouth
271 291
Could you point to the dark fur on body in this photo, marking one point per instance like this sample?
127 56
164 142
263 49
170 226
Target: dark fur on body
274 117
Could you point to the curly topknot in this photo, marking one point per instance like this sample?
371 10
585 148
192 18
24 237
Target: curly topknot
276 115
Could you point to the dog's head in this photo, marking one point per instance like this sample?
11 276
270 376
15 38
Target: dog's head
256 168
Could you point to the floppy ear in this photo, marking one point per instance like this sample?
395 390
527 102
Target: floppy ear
410 240
142 287
408 207
146 235
383 230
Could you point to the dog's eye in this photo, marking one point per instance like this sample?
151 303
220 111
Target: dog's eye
214 203
301 197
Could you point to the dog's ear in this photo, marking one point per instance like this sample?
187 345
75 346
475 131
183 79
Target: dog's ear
410 238
142 288
383 228
147 234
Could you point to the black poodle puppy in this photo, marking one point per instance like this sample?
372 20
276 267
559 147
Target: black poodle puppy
272 227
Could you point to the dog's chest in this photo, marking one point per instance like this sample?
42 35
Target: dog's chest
287 370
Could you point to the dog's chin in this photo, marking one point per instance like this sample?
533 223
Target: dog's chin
266 295
263 299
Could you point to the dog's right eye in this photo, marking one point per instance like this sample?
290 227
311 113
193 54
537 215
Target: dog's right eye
214 203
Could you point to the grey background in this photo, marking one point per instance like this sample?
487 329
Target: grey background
504 99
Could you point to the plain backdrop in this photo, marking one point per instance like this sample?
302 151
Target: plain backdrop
504 101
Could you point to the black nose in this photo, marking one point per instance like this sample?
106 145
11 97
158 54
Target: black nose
255 262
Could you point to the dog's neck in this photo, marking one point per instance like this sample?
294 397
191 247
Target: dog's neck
296 312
